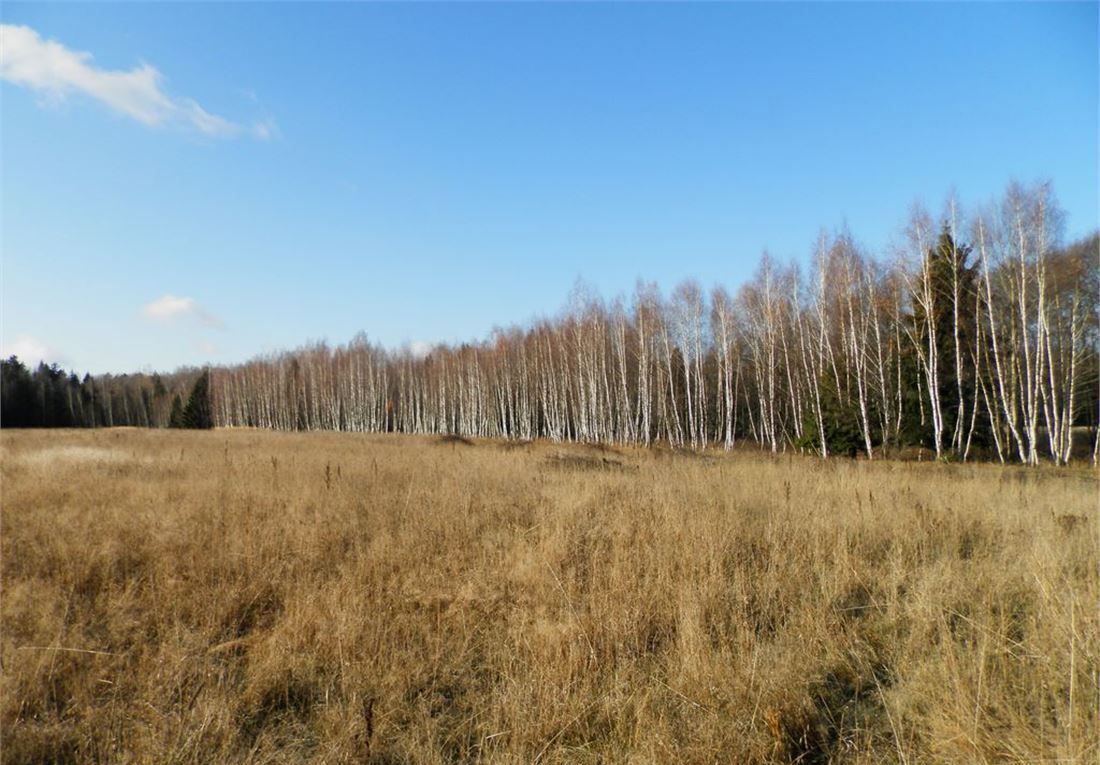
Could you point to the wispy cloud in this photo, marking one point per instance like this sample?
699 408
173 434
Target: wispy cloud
265 130
55 72
31 350
171 308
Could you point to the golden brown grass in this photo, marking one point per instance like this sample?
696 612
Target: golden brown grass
238 596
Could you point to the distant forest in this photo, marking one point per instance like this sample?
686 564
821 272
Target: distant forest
976 338
49 397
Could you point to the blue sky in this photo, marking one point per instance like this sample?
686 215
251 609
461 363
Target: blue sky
297 172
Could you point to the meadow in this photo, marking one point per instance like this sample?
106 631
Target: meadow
239 596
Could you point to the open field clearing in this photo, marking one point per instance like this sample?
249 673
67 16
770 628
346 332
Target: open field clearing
244 596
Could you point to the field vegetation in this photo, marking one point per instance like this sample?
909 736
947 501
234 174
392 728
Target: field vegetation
260 597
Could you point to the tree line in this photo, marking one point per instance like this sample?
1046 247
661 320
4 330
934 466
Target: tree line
976 337
49 397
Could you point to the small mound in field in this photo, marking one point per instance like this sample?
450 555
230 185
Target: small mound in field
599 446
453 439
568 461
665 452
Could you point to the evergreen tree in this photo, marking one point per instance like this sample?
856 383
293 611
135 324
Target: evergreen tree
916 421
18 405
954 290
175 419
842 434
197 413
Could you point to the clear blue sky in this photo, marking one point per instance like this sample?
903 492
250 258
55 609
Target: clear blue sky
425 172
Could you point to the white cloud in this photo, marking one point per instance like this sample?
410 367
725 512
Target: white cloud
54 71
169 308
265 130
30 351
208 123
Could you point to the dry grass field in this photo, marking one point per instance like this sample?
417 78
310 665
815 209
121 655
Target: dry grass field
238 596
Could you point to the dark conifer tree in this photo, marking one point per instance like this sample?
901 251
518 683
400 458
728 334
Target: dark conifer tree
954 280
197 413
175 419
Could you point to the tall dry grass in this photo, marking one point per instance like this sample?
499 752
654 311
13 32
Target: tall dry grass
257 597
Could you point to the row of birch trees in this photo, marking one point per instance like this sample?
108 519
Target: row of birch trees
975 337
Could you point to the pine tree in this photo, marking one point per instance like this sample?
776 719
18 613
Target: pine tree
197 413
842 434
954 288
18 404
175 419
